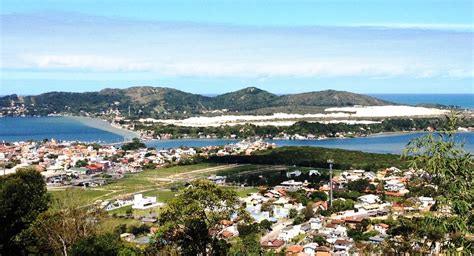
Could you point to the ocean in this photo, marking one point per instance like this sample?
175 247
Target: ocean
465 101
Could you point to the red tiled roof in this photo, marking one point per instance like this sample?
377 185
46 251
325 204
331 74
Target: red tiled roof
272 243
294 248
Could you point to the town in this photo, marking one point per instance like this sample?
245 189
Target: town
310 212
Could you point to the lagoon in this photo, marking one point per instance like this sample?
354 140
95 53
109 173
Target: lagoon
60 128
94 130
388 143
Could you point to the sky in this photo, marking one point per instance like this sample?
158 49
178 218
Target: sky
212 47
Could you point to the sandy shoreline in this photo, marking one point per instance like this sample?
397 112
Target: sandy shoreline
105 126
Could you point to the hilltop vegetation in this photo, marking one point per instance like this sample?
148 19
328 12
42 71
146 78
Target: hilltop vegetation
170 103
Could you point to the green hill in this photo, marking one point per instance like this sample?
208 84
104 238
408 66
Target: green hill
147 101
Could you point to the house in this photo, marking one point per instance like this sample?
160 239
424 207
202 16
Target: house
290 185
376 239
219 180
294 173
280 212
310 249
381 228
323 251
272 244
394 185
369 199
290 232
140 202
315 223
294 249
342 245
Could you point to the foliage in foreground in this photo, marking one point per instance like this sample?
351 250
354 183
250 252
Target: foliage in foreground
187 222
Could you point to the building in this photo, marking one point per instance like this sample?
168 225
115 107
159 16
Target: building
140 202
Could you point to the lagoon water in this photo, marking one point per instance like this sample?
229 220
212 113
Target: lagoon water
393 143
59 128
72 129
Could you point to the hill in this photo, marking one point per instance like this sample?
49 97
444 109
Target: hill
147 101
328 98
250 98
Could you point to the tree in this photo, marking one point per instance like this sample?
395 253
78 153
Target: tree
66 223
134 145
319 196
293 213
246 245
298 220
308 211
106 244
452 171
23 196
342 205
265 224
320 240
247 229
358 185
189 220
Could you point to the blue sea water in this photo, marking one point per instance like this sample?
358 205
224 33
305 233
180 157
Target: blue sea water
59 128
465 101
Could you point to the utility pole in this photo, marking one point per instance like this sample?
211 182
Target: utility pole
330 162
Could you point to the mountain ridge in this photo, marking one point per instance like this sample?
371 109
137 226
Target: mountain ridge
169 102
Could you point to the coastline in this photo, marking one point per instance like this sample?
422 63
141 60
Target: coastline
105 126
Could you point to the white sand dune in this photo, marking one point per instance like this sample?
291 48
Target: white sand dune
333 115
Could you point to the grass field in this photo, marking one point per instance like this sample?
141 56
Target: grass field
160 182
149 182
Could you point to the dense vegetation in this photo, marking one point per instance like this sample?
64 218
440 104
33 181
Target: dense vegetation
167 102
302 128
135 144
316 157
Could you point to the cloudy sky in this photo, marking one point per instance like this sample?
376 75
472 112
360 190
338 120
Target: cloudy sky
210 47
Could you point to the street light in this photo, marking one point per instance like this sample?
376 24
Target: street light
330 162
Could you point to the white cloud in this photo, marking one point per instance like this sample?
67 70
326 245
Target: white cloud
86 62
223 68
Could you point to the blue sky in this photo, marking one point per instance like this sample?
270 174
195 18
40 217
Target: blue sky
210 47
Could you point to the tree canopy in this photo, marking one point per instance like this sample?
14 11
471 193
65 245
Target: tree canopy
189 220
23 196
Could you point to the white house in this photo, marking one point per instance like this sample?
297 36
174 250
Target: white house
140 202
394 185
290 232
310 249
219 180
369 199
290 185
315 223
280 212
